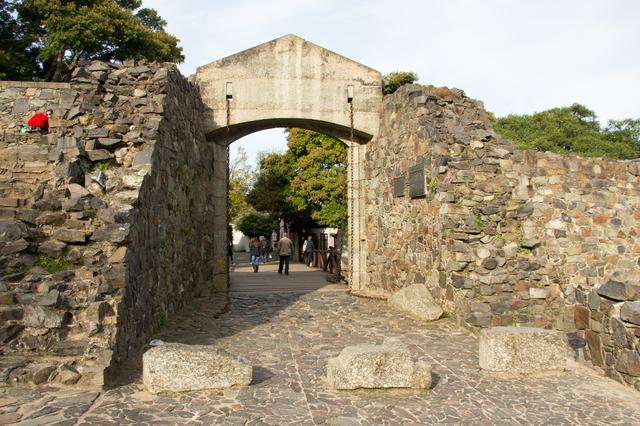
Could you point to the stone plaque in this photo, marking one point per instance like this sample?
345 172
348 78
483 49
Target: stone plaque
398 186
416 181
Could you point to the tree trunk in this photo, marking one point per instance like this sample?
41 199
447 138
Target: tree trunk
58 74
74 63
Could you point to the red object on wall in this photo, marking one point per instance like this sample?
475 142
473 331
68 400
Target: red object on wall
39 120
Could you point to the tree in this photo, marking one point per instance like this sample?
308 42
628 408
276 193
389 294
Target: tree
255 224
307 185
574 129
241 177
61 33
394 80
319 184
16 54
271 190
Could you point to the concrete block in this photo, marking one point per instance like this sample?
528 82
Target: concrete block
175 367
522 350
389 365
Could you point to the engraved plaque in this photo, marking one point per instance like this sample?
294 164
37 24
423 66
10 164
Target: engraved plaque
416 181
398 186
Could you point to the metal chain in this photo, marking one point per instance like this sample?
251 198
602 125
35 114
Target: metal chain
228 185
351 204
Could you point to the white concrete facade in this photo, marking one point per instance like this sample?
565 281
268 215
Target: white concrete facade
290 82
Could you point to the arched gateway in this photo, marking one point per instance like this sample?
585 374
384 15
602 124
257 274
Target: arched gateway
290 82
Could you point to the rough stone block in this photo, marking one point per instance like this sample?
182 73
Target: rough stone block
70 235
417 301
620 290
175 367
582 316
11 230
630 312
40 373
389 365
522 350
629 362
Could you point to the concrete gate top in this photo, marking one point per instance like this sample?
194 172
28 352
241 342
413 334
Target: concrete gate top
290 82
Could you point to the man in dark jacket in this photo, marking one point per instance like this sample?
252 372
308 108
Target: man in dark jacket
285 248
308 252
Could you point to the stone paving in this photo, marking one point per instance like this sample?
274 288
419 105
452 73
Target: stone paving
289 336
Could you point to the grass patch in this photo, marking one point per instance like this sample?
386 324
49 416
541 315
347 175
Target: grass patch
52 264
524 250
11 270
444 315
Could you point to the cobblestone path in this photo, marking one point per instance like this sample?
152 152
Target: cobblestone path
288 337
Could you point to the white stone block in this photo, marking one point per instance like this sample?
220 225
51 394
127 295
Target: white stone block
389 365
175 367
522 350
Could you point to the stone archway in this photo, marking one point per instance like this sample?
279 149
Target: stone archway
290 82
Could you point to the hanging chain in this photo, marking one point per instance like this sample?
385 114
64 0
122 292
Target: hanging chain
228 187
351 204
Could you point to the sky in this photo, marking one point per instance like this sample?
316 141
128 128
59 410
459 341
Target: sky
517 56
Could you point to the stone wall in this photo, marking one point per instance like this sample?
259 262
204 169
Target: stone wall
106 222
501 236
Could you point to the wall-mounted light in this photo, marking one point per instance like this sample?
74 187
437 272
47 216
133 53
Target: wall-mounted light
350 93
229 91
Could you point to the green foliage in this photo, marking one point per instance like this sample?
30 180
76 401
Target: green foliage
307 184
241 178
17 54
394 80
444 315
9 270
50 37
434 184
572 129
319 184
99 165
271 188
255 224
524 250
52 264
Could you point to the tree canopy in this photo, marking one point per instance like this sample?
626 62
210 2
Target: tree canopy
574 129
46 39
255 224
241 177
307 184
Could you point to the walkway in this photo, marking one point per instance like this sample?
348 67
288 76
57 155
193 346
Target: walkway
289 334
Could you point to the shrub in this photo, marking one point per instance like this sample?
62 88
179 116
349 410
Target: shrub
394 80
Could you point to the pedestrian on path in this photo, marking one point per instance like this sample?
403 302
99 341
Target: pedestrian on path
285 248
254 250
307 248
263 249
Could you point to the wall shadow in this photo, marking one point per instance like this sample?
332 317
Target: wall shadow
253 299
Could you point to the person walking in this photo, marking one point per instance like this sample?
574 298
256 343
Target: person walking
254 251
285 248
308 251
263 249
